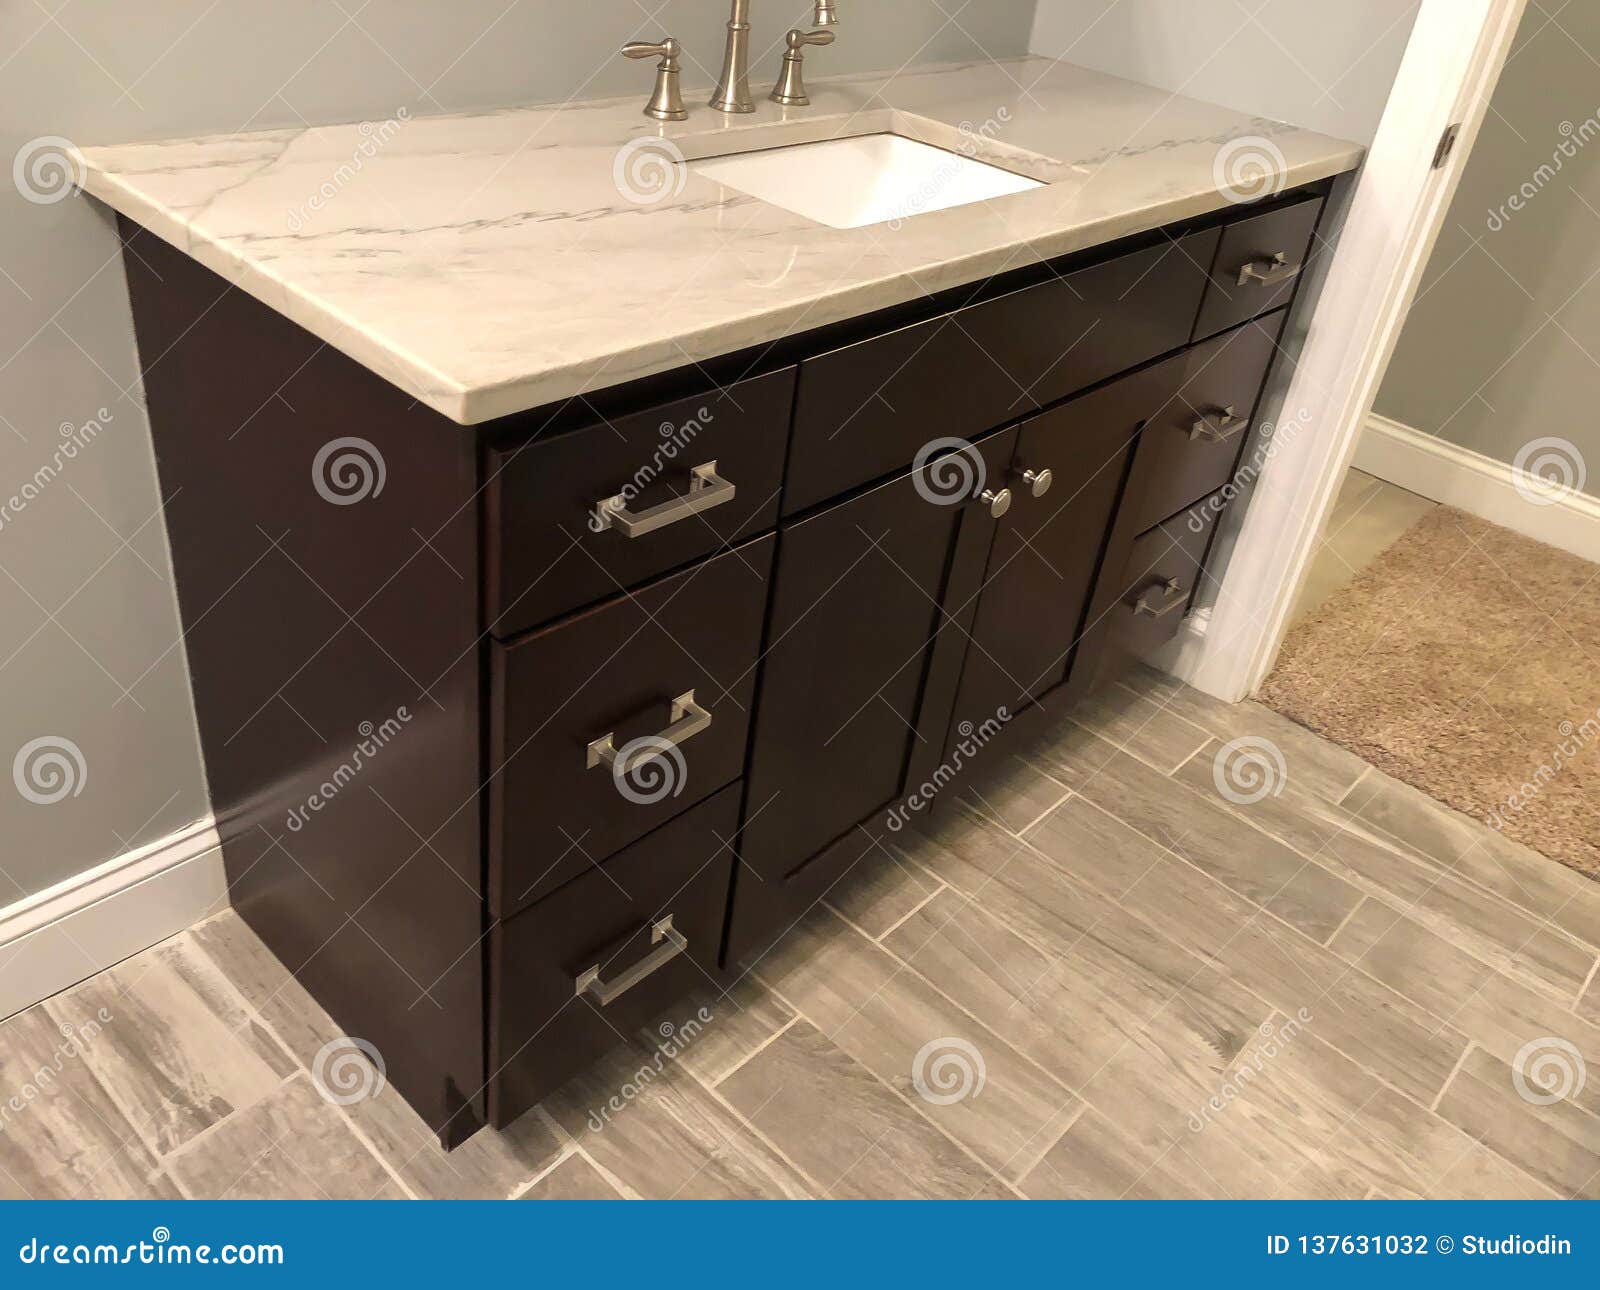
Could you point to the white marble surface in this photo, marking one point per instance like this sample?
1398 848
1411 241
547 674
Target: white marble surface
492 263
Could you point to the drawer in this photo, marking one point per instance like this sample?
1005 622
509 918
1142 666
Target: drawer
667 673
865 410
607 954
1191 447
693 476
1258 265
1164 571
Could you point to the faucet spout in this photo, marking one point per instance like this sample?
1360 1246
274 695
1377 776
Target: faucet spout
733 90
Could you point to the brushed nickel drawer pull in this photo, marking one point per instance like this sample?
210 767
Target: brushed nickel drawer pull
1269 273
1226 426
1038 481
688 720
1173 596
669 942
706 490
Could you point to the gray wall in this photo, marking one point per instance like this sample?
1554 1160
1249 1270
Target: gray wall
1502 346
89 638
1327 67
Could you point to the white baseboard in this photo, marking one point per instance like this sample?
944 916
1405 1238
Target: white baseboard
60 936
1479 485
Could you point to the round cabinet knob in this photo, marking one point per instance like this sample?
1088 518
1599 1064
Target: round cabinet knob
998 503
1038 481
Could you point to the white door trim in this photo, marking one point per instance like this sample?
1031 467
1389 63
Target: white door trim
1445 472
60 936
1451 65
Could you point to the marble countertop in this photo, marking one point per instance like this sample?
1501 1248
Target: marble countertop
499 261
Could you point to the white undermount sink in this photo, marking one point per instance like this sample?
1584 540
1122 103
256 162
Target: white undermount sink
871 179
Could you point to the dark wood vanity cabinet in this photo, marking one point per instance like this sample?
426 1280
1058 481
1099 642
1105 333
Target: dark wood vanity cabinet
659 667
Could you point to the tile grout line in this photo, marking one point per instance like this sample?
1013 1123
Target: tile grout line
1584 988
1433 1107
760 1135
1345 922
341 1110
908 915
754 1052
523 1188
916 1112
572 1146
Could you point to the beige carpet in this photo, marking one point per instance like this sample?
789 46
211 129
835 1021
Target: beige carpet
1465 660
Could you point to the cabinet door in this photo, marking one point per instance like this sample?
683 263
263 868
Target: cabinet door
870 611
1049 547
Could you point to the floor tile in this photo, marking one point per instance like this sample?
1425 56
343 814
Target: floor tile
573 1179
177 1052
1501 934
1492 860
1094 1160
1311 761
293 1145
1386 1033
1558 1144
739 1023
1013 792
957 1072
490 1165
672 1139
844 1128
61 1136
1496 1011
1216 841
1143 727
879 892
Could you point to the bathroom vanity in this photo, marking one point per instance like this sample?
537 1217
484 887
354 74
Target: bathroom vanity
578 582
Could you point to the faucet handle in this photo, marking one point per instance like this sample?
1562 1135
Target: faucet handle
791 87
666 103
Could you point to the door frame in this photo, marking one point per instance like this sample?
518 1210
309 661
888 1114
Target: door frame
1451 66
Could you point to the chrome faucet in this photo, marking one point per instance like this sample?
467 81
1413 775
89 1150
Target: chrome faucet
733 90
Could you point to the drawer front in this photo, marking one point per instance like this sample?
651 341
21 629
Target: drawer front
1191 447
562 799
865 410
1164 572
694 476
609 933
1258 266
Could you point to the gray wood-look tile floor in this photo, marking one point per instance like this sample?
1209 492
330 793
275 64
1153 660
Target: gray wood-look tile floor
1172 948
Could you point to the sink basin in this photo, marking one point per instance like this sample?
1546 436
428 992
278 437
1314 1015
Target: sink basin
872 179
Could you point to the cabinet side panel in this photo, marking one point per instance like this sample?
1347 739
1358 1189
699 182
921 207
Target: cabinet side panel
324 538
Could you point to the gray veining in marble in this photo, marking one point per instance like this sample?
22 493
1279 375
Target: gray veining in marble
495 262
